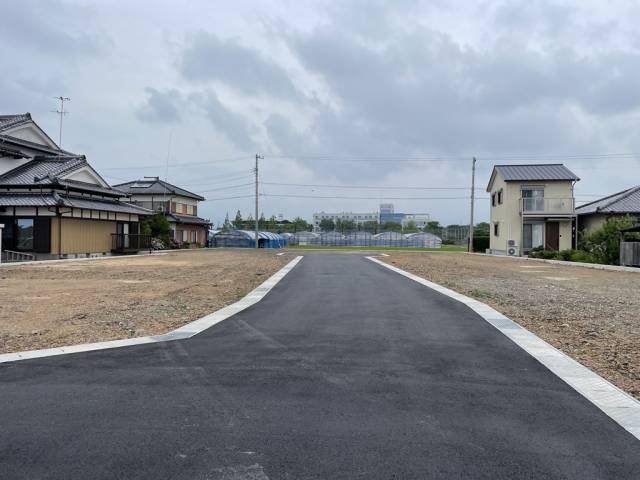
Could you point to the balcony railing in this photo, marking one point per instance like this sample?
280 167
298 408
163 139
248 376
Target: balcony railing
129 242
547 205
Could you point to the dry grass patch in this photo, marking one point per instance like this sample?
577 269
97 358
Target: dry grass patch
60 304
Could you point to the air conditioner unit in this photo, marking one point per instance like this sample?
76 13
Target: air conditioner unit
513 250
512 243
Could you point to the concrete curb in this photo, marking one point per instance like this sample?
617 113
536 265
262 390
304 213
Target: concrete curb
186 331
595 266
618 405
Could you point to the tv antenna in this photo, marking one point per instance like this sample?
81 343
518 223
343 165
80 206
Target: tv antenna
62 112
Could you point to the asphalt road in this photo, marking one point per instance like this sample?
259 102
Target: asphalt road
345 370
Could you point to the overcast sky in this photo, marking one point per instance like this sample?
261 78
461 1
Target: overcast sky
372 93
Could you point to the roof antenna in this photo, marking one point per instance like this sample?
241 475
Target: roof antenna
62 112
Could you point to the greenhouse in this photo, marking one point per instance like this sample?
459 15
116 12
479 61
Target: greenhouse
424 240
246 239
304 238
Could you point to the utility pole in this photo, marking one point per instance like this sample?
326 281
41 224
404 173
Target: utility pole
473 194
258 157
62 112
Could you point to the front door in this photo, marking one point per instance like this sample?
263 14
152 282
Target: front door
552 236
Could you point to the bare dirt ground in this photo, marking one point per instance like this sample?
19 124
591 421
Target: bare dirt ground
592 315
60 304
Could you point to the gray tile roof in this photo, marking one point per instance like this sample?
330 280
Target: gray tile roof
104 205
42 170
155 186
12 199
627 201
540 172
9 151
10 121
189 219
28 200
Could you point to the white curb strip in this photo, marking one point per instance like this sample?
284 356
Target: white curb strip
185 331
620 406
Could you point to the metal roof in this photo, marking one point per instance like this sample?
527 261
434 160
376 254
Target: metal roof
154 186
627 201
547 172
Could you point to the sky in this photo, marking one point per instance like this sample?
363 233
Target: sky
351 103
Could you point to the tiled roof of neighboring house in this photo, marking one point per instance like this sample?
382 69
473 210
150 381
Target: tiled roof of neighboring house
7 139
7 151
28 200
90 186
627 201
10 121
41 168
540 172
105 205
13 199
189 219
155 186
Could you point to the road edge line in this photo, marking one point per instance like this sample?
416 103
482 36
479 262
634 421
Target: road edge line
614 402
186 331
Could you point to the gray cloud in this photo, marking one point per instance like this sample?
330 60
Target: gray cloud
209 58
52 27
235 127
160 107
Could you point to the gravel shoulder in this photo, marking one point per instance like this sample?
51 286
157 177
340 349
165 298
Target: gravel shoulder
592 315
59 304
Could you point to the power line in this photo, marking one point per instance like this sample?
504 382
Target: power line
227 198
208 162
362 186
226 188
339 197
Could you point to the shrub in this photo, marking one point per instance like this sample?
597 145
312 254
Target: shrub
604 243
480 244
582 256
565 255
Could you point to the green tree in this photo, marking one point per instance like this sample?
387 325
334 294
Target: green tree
410 227
433 226
604 243
371 226
327 225
391 227
345 225
158 226
227 224
481 229
238 222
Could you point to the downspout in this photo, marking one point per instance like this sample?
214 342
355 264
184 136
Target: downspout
59 232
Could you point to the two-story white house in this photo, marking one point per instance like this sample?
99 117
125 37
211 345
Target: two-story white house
532 206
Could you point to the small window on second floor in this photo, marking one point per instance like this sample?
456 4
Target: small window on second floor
493 199
500 197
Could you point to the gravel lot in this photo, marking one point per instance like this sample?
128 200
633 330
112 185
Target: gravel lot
68 303
592 315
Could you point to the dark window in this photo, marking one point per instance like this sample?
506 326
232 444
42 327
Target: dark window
493 199
500 197
24 234
496 229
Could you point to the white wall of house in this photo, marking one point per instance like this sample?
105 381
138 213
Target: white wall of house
507 217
